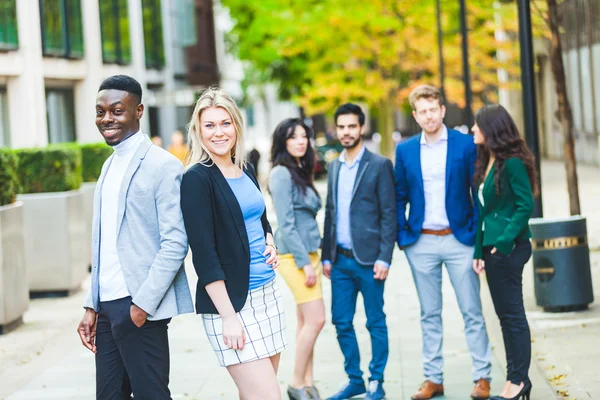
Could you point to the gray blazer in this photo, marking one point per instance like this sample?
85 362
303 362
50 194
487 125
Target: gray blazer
373 223
151 239
297 232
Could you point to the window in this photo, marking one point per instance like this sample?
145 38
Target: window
9 38
4 132
62 28
185 22
61 115
114 27
154 47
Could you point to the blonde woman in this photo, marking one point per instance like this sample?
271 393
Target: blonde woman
233 250
297 202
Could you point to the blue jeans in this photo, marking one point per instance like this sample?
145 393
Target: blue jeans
348 278
426 257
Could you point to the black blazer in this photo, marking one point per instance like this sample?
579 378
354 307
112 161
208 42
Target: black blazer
373 223
217 234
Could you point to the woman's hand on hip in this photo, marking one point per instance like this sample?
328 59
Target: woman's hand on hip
478 266
310 274
271 254
233 332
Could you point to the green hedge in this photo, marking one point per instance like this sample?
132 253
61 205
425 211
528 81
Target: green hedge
56 168
93 157
9 178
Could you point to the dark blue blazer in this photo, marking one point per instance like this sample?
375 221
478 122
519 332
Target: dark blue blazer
460 189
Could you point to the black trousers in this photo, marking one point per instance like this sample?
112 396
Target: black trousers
505 280
130 359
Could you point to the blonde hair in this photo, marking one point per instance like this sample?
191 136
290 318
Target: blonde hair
425 92
214 97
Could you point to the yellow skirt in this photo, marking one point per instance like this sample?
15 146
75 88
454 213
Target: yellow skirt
294 277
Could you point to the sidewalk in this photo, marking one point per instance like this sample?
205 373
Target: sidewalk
44 359
566 344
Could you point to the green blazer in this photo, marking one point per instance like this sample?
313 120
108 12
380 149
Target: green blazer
506 216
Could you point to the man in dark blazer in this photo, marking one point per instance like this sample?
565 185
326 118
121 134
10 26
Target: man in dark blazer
434 175
360 227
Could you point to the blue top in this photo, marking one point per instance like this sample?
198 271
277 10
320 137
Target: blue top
252 204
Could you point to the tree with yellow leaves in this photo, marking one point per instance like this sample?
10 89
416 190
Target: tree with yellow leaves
326 52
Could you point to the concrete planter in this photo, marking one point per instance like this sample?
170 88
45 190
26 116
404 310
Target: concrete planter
14 292
55 241
88 213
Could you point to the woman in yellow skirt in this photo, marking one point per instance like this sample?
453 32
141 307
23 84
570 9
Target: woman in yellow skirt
297 202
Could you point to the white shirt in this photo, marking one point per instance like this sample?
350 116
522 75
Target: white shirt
481 199
112 280
433 168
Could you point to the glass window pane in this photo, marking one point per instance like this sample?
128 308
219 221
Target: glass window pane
8 25
154 48
74 28
108 30
4 127
53 32
185 14
125 40
61 115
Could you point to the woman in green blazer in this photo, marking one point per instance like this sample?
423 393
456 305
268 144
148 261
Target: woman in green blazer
507 180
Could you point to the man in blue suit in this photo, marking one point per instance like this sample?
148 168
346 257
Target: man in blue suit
434 175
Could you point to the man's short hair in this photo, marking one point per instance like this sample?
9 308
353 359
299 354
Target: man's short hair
350 108
428 92
124 83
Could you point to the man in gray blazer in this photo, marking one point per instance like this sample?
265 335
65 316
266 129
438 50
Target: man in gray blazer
360 227
138 246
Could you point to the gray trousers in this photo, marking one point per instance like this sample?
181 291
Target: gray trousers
426 257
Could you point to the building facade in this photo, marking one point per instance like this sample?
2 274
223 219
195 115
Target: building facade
581 56
55 53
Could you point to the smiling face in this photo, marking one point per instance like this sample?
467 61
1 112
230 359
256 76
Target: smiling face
217 132
349 131
118 115
297 144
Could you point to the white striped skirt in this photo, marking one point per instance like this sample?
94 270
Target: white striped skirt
263 319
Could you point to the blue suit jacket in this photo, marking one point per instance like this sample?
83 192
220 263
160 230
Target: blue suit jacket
460 189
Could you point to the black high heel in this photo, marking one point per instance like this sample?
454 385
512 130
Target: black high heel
524 394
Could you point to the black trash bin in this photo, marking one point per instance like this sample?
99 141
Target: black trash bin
561 264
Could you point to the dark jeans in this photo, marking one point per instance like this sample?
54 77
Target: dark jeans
348 278
505 280
130 359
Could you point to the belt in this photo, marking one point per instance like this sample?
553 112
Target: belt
441 232
345 252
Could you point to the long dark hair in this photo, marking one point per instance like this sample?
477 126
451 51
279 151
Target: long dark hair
503 140
302 172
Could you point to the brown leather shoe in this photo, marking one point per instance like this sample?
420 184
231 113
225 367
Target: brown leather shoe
428 390
482 390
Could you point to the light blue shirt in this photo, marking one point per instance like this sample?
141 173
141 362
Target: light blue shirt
346 179
252 204
433 169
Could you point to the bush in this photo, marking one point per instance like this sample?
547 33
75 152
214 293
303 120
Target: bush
56 168
93 156
9 178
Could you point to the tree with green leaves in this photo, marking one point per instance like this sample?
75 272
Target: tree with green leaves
323 53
